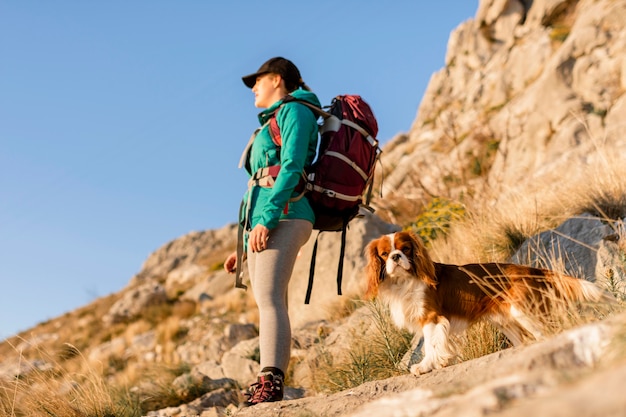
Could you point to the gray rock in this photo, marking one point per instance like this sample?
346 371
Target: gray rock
134 301
570 248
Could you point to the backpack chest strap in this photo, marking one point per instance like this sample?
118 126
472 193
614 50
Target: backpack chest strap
264 177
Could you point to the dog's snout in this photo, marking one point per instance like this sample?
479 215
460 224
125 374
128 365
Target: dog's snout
395 257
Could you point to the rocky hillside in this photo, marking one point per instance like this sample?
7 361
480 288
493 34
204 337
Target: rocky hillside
532 99
532 92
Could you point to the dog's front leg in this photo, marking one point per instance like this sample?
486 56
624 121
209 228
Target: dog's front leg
437 348
415 352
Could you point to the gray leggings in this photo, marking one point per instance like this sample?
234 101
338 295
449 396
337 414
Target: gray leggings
270 272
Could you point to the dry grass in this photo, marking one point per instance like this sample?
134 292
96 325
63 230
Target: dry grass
495 226
550 314
341 307
374 354
236 305
493 232
479 340
47 389
55 379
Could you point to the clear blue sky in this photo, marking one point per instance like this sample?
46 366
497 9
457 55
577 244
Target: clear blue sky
122 122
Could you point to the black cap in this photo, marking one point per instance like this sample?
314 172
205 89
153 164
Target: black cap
281 66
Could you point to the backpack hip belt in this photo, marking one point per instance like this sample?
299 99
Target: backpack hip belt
264 177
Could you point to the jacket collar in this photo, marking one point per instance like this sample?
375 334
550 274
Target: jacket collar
305 95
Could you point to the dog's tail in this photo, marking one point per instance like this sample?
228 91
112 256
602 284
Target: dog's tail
581 290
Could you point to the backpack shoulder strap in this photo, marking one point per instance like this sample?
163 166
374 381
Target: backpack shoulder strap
318 111
275 130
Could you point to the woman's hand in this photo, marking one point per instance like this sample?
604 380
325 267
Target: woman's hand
257 241
258 238
230 264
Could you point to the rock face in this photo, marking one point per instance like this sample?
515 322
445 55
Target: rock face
532 91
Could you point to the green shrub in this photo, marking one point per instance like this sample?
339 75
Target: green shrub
559 33
436 218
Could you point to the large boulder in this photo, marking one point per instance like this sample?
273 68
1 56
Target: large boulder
571 248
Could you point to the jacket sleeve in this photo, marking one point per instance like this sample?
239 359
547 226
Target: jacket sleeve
298 127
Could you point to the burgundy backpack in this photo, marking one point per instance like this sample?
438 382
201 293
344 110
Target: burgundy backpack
341 178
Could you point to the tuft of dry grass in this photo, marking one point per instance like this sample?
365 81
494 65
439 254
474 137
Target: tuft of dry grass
155 390
479 340
341 307
373 355
235 305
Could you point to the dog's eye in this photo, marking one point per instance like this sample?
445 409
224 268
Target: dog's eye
384 254
406 250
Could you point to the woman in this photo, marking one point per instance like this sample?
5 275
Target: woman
276 221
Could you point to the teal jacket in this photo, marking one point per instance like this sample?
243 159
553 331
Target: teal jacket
299 132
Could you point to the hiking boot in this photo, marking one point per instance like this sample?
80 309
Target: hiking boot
268 388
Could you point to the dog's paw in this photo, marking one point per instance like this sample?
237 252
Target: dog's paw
421 368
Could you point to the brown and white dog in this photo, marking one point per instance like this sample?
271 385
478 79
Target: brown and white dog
440 299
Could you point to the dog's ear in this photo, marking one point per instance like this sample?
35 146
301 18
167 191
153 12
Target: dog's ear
425 268
372 270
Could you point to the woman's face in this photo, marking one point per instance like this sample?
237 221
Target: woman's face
267 90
